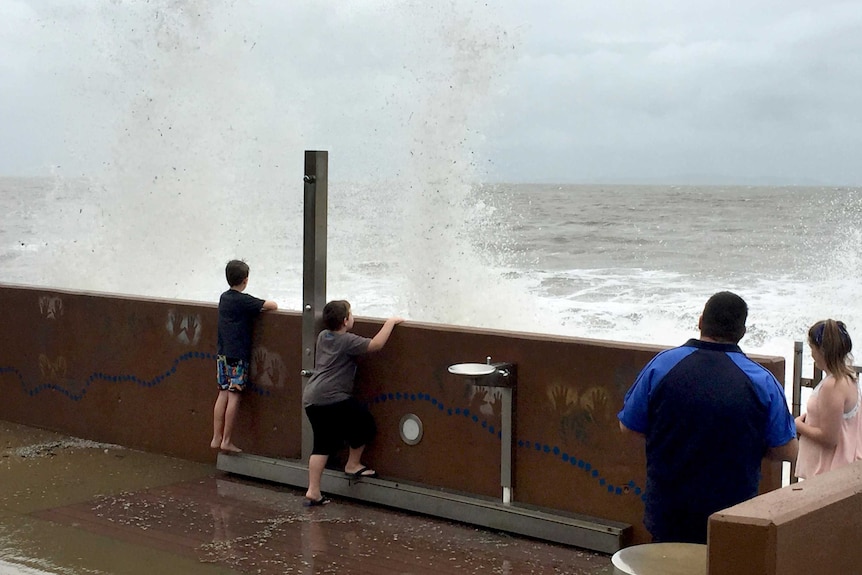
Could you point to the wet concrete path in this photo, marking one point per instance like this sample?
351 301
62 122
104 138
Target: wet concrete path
70 506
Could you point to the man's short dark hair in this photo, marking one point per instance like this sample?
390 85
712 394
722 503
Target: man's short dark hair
724 317
235 272
334 314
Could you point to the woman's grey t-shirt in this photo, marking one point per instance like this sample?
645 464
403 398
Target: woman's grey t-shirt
334 367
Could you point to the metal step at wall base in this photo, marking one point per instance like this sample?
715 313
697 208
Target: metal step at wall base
549 525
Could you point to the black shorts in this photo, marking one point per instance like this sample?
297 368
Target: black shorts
334 424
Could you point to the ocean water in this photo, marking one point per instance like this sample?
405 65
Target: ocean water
198 159
625 263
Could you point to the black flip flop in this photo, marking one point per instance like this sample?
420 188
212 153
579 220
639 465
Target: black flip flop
317 502
361 473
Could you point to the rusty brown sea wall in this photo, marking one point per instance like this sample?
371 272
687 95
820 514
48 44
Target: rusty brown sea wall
141 373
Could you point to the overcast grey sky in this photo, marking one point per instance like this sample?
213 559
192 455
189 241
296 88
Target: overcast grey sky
669 91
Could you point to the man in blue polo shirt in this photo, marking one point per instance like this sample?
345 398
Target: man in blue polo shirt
709 415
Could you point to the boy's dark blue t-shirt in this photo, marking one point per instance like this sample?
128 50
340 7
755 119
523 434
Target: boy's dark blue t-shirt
236 314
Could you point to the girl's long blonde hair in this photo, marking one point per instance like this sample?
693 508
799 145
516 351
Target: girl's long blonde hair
833 341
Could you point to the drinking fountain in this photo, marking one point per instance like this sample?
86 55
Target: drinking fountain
503 376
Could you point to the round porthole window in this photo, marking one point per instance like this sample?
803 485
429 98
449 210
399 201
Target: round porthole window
411 429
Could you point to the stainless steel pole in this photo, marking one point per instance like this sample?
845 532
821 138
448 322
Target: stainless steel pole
796 397
316 180
506 445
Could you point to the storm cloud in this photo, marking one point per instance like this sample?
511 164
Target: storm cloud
550 91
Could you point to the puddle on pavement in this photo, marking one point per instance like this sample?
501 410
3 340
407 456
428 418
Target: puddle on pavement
72 507
42 470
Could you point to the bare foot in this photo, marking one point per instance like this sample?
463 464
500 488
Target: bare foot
215 443
230 448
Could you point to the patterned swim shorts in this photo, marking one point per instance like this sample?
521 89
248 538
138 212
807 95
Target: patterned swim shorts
232 374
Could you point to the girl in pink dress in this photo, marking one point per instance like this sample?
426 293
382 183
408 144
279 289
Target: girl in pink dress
830 433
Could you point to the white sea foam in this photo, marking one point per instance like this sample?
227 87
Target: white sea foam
20 566
207 132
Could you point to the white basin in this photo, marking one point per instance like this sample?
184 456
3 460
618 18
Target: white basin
472 369
661 559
